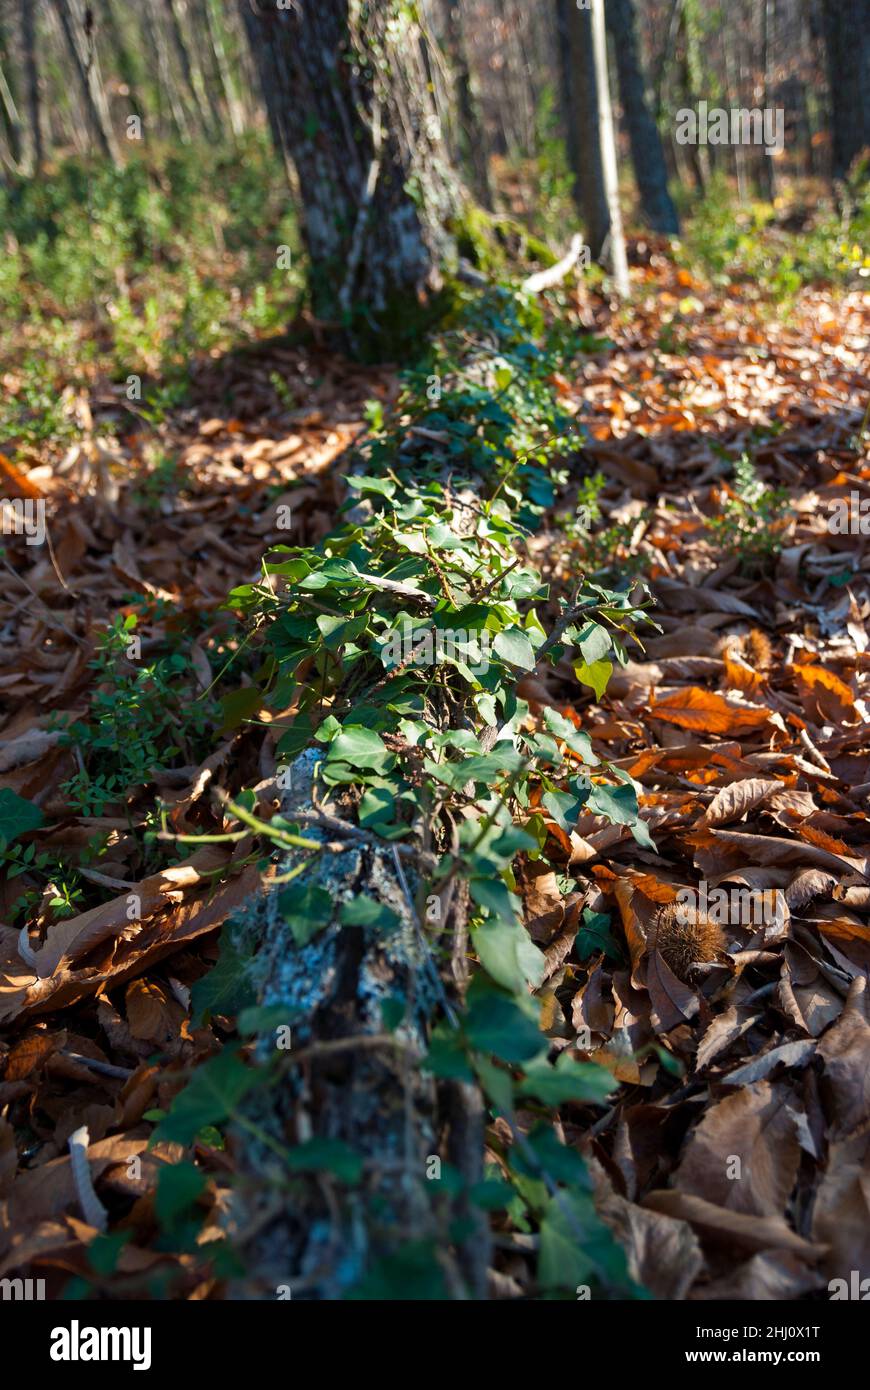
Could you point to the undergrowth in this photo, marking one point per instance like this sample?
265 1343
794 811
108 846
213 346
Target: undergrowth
138 270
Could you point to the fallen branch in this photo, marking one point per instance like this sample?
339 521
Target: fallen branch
546 279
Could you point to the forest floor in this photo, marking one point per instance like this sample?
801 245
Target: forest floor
745 721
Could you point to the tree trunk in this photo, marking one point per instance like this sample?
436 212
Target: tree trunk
190 70
10 100
594 143
847 45
77 22
124 64
11 119
693 83
472 137
351 110
153 21
646 146
31 77
237 123
566 82
731 100
767 178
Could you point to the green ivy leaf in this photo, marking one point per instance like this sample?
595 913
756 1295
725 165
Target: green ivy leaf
320 1155
227 988
595 935
211 1096
179 1185
497 1024
565 1259
594 642
17 816
595 674
567 1080
514 647
508 954
412 1273
306 912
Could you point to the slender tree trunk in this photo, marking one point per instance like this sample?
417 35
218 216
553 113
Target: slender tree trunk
698 155
566 82
153 18
10 99
200 48
77 22
125 65
29 9
594 141
189 69
472 137
646 146
11 117
768 19
738 151
512 92
351 110
237 123
847 46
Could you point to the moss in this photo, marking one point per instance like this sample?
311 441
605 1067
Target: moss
494 243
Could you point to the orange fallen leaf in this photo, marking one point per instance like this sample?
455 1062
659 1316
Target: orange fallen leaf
15 483
696 708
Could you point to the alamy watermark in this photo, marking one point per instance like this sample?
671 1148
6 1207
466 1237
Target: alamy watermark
410 646
850 516
712 125
855 1290
22 1290
23 516
744 907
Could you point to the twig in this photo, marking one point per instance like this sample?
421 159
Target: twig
545 279
92 1208
368 193
364 1042
104 1068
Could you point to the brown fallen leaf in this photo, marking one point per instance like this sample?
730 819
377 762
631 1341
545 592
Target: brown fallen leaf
724 1226
672 1002
841 1212
845 1050
771 1276
696 708
150 1014
75 936
8 1157
30 1053
744 1154
663 1253
725 1029
805 994
717 849
732 802
22 994
827 697
793 1055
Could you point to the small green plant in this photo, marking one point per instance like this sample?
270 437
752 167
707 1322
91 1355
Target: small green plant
65 883
282 391
33 410
163 477
141 718
752 518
